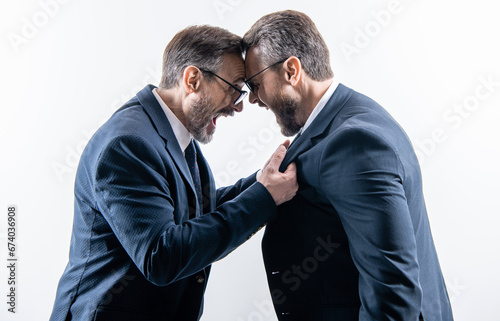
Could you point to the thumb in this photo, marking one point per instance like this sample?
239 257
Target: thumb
277 158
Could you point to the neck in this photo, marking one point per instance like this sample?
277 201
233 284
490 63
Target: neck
313 91
173 100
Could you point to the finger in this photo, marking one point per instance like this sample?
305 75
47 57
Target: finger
291 169
277 158
267 162
286 143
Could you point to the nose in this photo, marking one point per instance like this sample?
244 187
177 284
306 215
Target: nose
253 98
238 108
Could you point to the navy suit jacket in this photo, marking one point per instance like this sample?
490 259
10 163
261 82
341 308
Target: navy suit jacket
355 242
135 253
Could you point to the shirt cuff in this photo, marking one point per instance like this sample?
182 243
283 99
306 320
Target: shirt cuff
257 176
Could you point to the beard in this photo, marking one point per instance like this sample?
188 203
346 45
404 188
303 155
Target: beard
286 110
201 118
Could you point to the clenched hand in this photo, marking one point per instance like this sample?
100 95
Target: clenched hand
281 186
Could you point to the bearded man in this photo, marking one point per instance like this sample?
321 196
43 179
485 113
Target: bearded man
148 221
355 243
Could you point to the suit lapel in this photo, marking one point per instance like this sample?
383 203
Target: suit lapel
318 126
160 121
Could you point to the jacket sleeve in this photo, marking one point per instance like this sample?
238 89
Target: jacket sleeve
227 193
134 197
362 177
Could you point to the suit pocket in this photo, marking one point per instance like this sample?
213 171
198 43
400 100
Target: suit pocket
112 314
344 313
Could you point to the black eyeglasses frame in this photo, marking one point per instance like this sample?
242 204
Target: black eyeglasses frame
251 86
242 93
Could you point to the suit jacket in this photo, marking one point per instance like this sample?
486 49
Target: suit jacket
355 242
135 253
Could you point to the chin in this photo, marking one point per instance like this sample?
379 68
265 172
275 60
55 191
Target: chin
287 132
205 137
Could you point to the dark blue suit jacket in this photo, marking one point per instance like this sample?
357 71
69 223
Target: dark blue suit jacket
135 253
355 242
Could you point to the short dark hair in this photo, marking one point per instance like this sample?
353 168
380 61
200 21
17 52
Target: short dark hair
200 46
283 34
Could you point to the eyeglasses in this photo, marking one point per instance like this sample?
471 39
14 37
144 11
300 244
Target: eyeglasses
251 86
242 93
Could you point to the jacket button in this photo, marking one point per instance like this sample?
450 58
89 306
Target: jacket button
200 279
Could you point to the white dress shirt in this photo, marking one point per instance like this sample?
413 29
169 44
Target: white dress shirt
181 133
321 104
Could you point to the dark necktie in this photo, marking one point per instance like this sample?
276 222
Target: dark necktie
190 155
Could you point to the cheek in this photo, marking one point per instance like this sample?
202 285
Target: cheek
213 101
271 96
220 100
272 90
264 95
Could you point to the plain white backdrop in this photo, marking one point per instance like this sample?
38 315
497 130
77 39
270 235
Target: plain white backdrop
67 65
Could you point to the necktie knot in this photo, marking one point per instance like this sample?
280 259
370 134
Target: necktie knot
190 155
190 150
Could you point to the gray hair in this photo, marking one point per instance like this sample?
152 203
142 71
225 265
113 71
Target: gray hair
283 34
199 46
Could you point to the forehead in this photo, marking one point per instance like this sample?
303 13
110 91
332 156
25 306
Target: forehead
233 67
252 62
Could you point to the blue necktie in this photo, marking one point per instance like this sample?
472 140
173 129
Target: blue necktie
190 155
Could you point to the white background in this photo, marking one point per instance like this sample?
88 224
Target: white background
66 68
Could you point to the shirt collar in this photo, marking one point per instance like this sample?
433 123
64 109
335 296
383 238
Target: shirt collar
181 133
321 104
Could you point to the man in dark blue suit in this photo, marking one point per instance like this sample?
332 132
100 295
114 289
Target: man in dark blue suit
355 243
148 220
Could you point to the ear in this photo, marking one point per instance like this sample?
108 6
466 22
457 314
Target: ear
191 79
293 70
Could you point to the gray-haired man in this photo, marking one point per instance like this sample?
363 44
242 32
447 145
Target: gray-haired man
355 243
148 221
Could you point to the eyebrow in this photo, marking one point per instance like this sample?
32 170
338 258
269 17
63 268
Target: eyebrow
238 80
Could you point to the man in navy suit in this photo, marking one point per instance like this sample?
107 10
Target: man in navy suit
148 220
355 243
